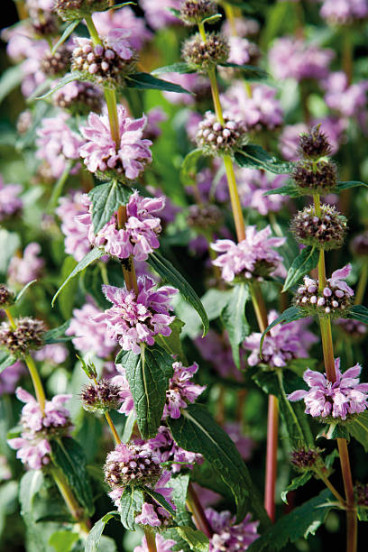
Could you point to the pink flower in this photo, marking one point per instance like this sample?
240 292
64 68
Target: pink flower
10 377
23 270
253 257
10 202
75 232
181 390
252 185
343 12
100 152
55 353
337 399
132 319
228 536
90 337
282 344
162 545
165 448
58 144
124 19
158 13
348 100
295 58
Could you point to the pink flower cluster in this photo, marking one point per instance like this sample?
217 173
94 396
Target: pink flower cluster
164 447
100 152
230 537
125 19
23 270
135 319
347 100
282 344
10 202
75 232
138 237
337 399
253 184
33 446
344 12
245 258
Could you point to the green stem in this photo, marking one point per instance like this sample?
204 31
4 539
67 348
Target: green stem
37 383
113 428
92 30
362 283
327 345
150 539
215 94
329 485
195 507
234 198
110 97
69 498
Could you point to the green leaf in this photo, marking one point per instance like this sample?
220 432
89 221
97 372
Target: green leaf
118 6
146 81
169 273
252 155
358 428
289 189
172 343
9 243
129 426
22 291
148 376
10 79
95 534
302 265
160 500
106 199
297 482
212 19
69 77
299 524
351 184
197 431
57 335
197 541
289 315
91 256
68 295
233 318
249 72
189 166
6 360
69 457
214 301
63 541
131 503
66 34
358 312
182 67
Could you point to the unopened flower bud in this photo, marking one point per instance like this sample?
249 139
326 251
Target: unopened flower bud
203 55
7 297
56 64
326 231
313 177
131 464
69 10
26 336
193 12
314 144
101 397
304 459
220 139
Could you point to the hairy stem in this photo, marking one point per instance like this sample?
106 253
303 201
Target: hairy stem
69 498
351 511
37 383
113 428
151 540
92 30
195 507
271 456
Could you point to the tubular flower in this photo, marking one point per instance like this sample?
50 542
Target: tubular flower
10 202
335 399
230 537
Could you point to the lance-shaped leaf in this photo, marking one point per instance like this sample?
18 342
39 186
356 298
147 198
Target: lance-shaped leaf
302 265
57 335
197 541
148 376
182 67
160 500
23 291
295 484
172 343
131 503
66 34
358 312
69 77
95 534
106 199
289 189
146 81
169 273
68 455
253 155
249 72
289 315
358 428
91 256
6 360
234 320
350 184
299 524
197 431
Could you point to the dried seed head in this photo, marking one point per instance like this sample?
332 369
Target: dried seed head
326 231
313 177
56 64
101 397
193 12
359 245
101 65
7 297
69 10
304 459
206 217
217 139
131 464
27 335
314 144
331 301
203 55
79 98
